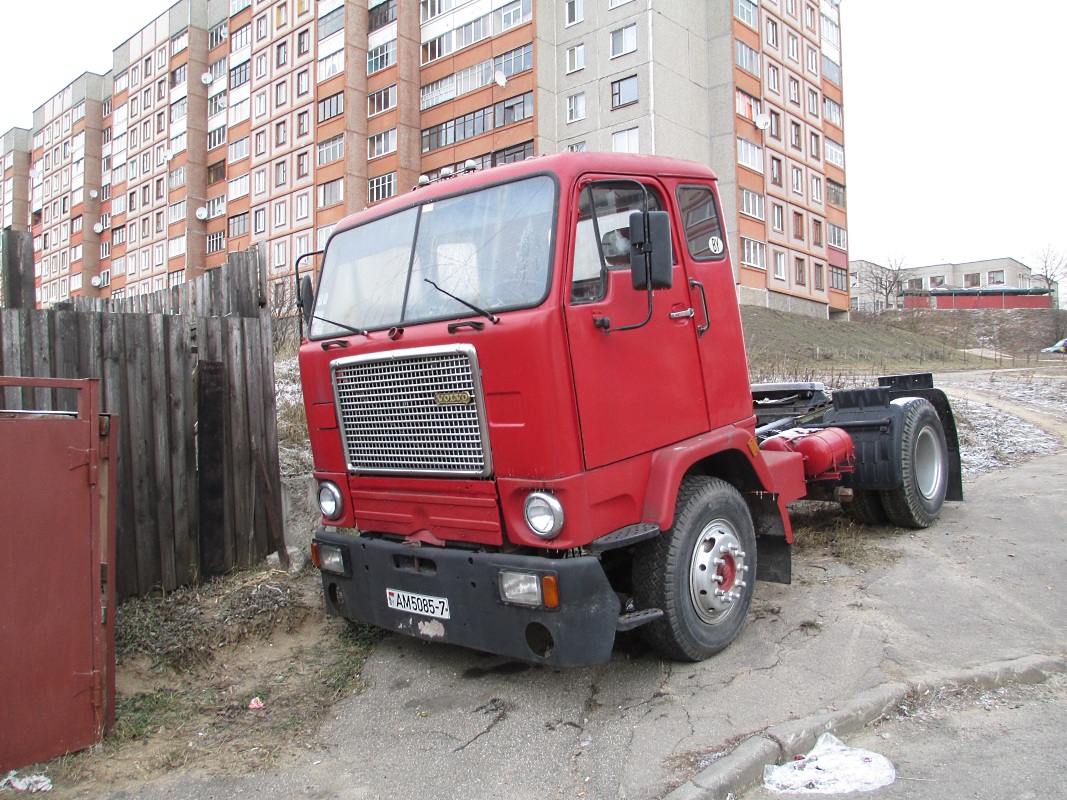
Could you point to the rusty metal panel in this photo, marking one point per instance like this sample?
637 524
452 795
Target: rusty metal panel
57 549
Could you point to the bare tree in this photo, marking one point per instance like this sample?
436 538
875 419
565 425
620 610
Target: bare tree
1051 266
885 285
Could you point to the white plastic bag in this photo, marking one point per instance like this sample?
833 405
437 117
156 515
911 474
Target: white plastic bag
831 768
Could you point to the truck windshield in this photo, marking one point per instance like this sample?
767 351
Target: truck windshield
491 248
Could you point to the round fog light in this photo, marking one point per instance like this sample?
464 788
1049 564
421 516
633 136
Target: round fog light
544 515
330 503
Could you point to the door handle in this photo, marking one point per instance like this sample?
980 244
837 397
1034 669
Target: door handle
683 314
701 329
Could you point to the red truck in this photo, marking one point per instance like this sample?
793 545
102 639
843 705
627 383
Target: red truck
532 423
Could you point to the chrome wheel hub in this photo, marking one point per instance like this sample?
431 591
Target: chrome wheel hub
718 571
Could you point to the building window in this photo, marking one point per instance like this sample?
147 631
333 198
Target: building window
281 134
834 152
331 193
816 274
794 135
835 193
576 107
238 225
576 58
381 144
778 218
747 12
332 106
381 100
816 189
331 149
779 265
771 37
623 41
746 105
798 226
752 203
574 11
794 91
813 146
994 277
215 173
801 271
816 233
772 79
624 92
776 171
753 253
281 168
382 56
838 278
797 180
626 141
381 15
749 154
832 112
837 236
746 58
813 102
381 187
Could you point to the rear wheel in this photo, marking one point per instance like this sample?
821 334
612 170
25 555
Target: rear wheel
924 466
701 572
866 507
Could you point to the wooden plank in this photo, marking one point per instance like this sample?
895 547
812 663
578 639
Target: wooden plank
142 466
116 401
162 489
242 478
182 451
270 406
254 391
211 475
40 350
11 355
65 338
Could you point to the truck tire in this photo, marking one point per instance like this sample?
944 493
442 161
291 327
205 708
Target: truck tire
701 572
866 507
924 466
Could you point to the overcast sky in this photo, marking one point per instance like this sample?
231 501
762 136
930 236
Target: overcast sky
955 119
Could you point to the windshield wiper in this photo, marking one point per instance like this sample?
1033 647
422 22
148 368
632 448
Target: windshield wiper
487 314
340 325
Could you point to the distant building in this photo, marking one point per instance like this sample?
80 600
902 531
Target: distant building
223 125
992 283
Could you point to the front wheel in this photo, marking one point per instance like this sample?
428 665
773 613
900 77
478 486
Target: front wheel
701 572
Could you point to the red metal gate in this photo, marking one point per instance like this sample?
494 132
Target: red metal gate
57 633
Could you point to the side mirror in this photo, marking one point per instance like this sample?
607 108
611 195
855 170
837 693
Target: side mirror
306 299
650 250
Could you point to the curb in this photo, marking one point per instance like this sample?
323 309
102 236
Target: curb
742 768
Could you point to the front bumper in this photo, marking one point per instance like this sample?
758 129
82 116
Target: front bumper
580 632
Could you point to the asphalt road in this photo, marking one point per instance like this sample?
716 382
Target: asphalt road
986 583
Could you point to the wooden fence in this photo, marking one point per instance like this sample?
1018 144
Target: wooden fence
190 374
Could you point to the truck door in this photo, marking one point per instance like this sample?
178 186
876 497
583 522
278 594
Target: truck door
637 389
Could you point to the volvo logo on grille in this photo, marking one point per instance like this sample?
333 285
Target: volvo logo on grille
452 398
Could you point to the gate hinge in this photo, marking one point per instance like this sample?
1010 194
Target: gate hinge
86 458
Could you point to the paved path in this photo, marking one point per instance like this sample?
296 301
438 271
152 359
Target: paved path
985 584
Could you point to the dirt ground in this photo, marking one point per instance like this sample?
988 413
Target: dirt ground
236 676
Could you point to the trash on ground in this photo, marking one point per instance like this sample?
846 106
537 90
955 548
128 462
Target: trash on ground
831 768
31 783
254 704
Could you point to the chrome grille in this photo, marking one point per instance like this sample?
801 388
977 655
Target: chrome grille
415 411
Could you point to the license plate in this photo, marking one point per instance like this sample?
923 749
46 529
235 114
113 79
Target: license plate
424 604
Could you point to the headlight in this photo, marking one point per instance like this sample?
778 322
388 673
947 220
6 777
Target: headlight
522 588
544 515
330 503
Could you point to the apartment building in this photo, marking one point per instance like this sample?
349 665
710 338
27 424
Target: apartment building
229 123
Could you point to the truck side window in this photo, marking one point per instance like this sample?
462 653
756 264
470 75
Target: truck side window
703 234
602 237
